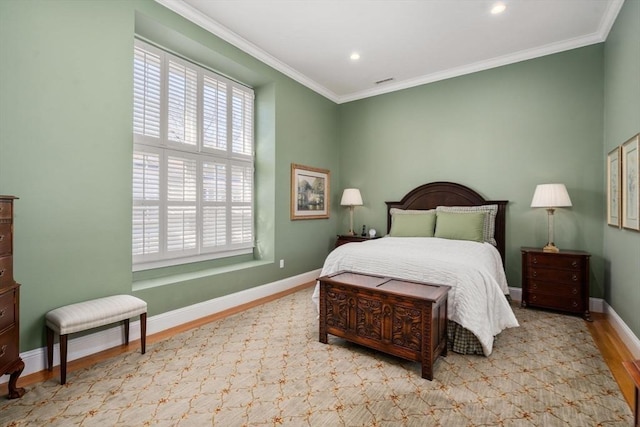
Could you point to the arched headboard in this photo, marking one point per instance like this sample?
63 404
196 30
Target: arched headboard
434 194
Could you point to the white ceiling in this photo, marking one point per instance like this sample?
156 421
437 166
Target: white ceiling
411 41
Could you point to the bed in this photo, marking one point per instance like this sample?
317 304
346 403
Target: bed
463 247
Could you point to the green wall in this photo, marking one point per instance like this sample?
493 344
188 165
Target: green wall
66 149
500 132
622 121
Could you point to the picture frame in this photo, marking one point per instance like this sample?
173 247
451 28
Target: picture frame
630 155
613 188
309 192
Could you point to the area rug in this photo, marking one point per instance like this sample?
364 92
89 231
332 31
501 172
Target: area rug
265 367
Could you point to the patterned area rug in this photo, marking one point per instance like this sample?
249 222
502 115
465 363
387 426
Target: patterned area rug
265 367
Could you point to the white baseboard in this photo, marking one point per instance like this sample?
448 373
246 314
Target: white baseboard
36 360
626 334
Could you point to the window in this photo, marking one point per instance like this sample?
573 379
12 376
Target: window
192 162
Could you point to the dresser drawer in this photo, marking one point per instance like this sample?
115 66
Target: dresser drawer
7 309
554 261
556 302
560 289
5 210
567 276
6 271
8 347
5 239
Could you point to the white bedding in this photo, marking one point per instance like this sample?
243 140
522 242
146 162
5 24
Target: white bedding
473 270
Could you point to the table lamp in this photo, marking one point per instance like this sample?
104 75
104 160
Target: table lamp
550 197
351 197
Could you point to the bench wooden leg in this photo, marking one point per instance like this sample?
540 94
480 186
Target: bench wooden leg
143 332
126 331
49 349
63 358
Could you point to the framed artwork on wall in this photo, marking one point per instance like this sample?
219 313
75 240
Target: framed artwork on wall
309 192
630 177
613 188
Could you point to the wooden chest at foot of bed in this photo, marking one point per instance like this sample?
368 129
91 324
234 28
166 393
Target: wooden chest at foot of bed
399 317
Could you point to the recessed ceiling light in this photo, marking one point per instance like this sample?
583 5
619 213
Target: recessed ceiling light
355 56
498 8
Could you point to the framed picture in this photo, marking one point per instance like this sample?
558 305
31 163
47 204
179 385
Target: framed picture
309 192
613 188
630 177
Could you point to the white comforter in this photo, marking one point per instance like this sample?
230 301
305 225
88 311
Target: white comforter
473 270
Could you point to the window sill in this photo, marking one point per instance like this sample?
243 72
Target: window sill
184 277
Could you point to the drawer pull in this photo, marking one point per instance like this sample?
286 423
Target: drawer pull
574 263
574 291
534 286
574 278
2 312
2 272
534 260
535 273
574 304
3 351
1 237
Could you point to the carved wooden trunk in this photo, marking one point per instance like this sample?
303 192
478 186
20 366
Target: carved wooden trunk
403 318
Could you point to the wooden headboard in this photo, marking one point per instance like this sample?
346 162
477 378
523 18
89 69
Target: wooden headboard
434 194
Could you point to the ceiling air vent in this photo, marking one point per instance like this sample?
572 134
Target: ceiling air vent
384 80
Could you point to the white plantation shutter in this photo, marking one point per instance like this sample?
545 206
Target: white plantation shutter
241 200
242 119
146 203
214 126
182 94
192 163
146 93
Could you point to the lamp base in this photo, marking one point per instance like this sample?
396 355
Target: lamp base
550 247
350 233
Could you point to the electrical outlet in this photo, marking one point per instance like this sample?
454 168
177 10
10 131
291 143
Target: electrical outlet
281 263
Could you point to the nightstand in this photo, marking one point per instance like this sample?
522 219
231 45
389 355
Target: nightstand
343 238
558 281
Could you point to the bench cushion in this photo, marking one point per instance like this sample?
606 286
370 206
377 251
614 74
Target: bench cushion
93 313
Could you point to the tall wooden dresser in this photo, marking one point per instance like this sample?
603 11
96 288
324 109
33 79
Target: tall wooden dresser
10 361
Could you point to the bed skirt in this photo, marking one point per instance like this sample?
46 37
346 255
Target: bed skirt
461 340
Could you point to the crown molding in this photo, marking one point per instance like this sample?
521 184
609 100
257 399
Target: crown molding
200 19
478 66
219 30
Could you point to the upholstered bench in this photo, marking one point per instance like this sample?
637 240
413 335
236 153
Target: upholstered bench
92 314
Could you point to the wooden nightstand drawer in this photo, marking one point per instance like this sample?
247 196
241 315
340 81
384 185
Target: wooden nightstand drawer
558 281
572 305
559 289
566 276
555 261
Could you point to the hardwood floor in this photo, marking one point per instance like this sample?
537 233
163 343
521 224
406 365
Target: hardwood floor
613 350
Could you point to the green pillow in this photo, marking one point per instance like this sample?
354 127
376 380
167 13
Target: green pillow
415 225
460 226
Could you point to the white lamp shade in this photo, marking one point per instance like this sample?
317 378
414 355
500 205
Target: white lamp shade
351 197
550 196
